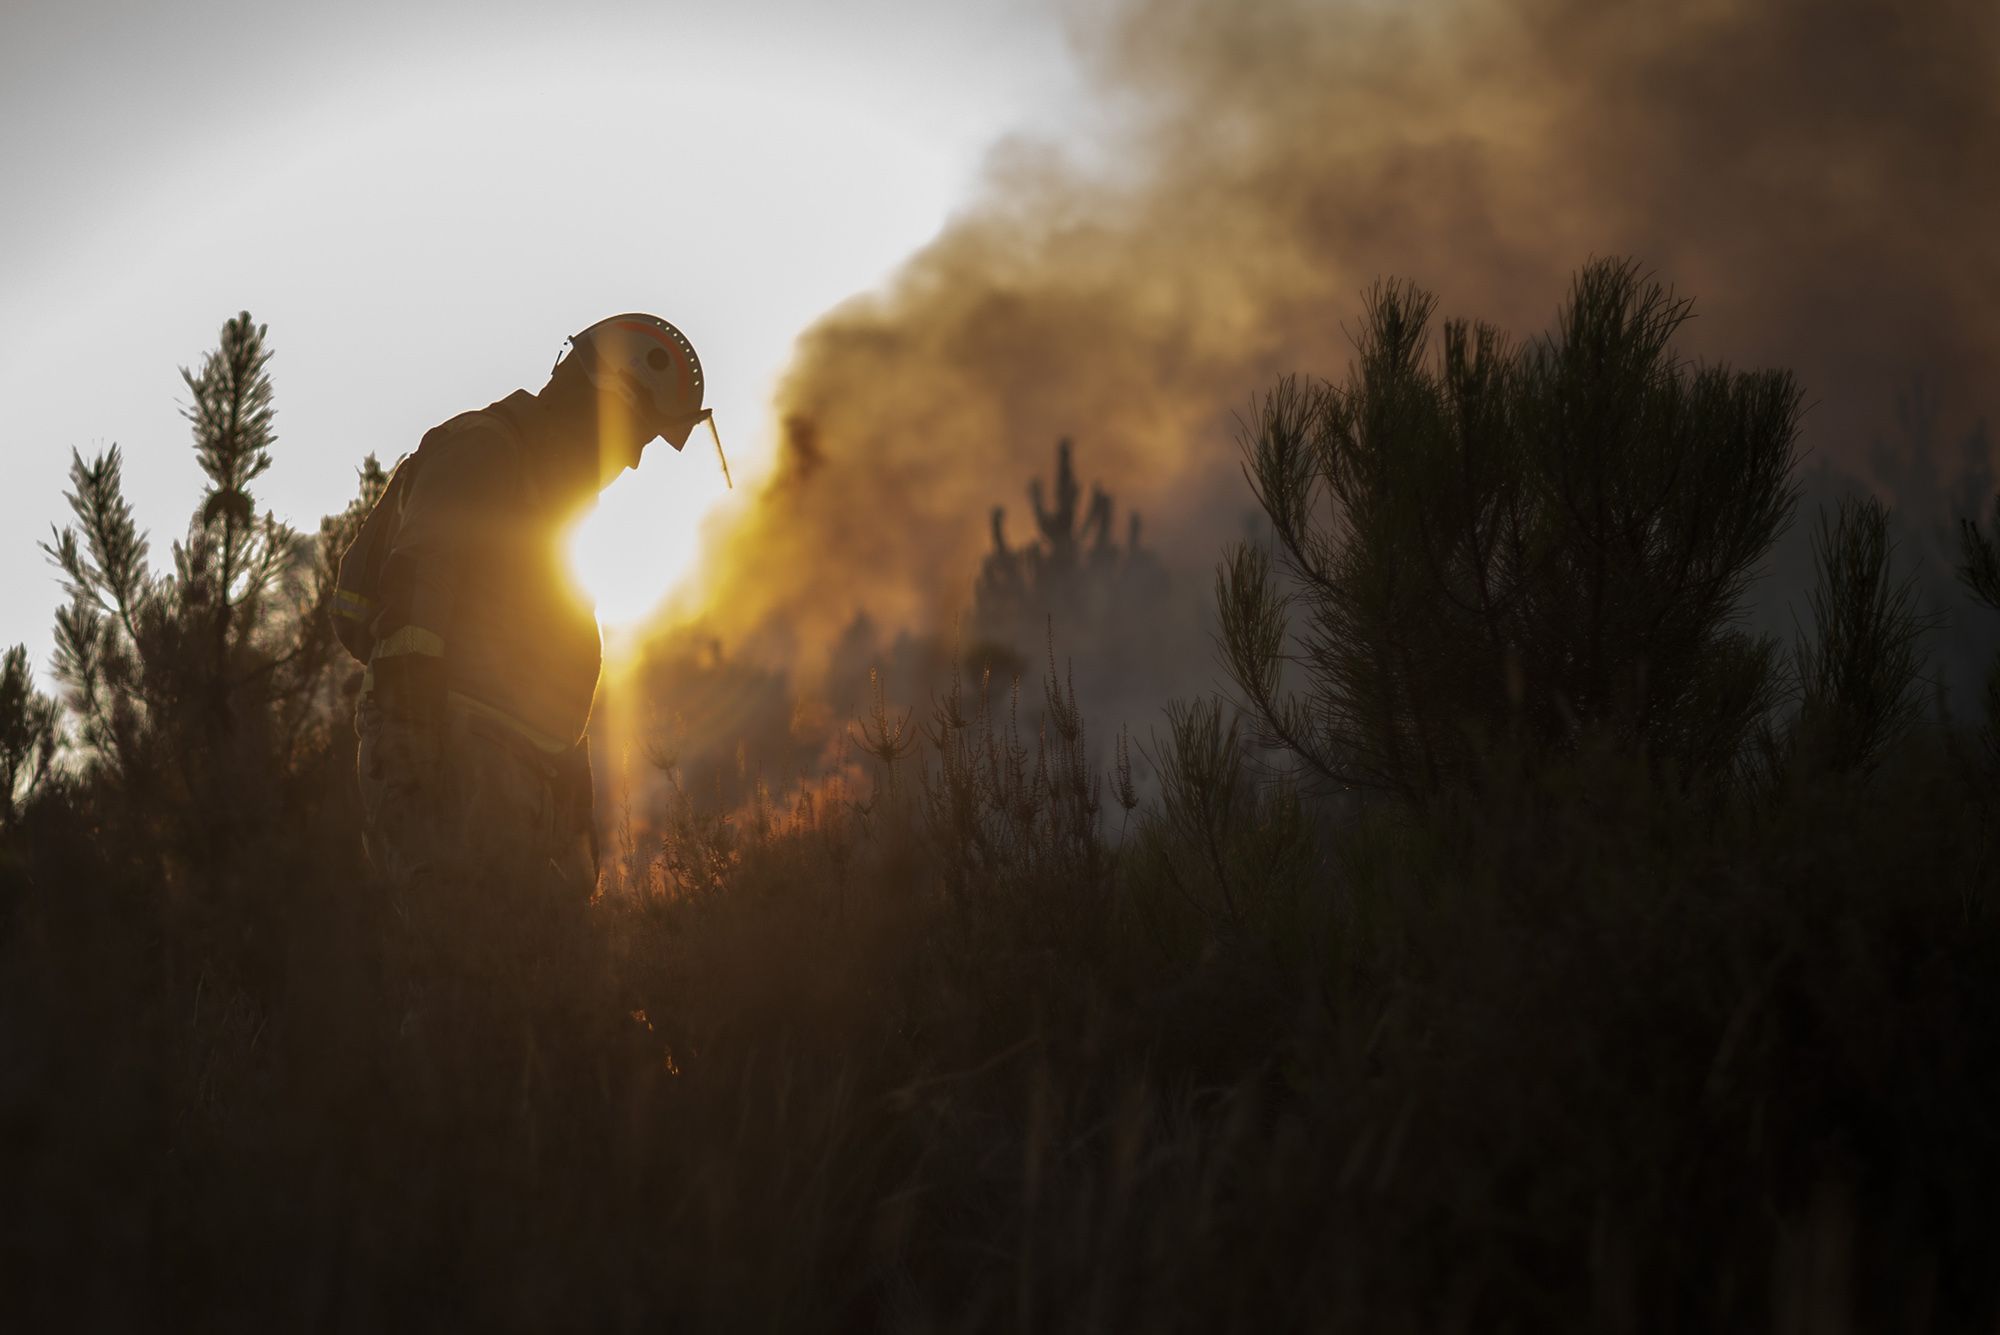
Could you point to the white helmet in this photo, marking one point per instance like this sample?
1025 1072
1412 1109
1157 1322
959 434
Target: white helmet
649 365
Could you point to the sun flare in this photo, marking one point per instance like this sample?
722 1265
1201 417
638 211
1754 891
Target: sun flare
642 544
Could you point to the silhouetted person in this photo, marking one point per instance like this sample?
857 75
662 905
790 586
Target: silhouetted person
482 654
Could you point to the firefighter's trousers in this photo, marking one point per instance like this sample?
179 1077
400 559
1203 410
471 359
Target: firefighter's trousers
473 801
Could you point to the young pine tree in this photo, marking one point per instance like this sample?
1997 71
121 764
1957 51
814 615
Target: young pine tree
1858 670
1109 601
195 690
1979 571
1075 570
1536 544
99 658
232 562
28 736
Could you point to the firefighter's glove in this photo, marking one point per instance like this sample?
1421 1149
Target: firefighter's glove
410 691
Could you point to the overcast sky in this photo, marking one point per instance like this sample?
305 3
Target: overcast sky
422 201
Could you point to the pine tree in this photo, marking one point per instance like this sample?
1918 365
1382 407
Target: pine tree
1979 571
1858 670
1075 572
187 684
232 560
28 736
1539 544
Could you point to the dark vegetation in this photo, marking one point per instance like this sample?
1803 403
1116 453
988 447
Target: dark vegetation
1527 946
1131 636
1075 578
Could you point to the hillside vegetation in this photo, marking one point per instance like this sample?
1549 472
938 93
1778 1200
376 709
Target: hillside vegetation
1522 944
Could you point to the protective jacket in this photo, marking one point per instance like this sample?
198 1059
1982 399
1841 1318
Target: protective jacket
470 570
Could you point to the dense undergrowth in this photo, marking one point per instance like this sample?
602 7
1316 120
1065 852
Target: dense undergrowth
1575 1054
1586 1033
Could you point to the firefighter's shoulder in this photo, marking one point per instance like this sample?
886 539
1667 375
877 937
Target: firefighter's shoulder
488 436
473 453
477 429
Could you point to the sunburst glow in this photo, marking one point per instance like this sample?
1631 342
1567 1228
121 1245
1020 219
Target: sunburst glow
643 541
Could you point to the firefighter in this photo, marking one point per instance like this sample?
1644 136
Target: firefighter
482 655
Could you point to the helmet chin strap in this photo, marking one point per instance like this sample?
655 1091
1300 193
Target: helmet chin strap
708 420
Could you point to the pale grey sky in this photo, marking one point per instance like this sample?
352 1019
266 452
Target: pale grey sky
422 200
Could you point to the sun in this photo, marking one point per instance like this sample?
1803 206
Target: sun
642 543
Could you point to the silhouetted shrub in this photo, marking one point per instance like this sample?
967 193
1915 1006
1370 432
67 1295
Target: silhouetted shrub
1979 571
1532 545
1858 672
28 736
1075 572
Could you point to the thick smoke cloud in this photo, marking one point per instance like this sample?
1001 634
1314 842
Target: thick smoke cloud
1822 175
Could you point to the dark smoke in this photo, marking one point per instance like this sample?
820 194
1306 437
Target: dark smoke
1823 176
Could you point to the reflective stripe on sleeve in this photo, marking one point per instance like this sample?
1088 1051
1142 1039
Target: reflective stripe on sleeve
410 640
354 606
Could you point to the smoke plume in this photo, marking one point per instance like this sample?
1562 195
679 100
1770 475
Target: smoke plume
1823 176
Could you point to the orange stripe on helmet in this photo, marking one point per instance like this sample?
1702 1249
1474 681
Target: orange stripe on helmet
673 347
